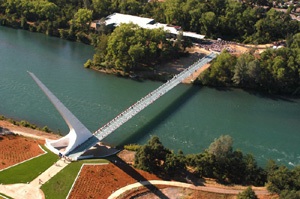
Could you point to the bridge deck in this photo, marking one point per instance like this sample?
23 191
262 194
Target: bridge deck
130 112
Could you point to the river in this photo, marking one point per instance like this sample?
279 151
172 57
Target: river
187 118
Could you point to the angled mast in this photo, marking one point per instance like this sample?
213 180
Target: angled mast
78 132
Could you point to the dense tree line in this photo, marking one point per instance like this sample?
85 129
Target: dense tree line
245 21
220 162
283 181
276 71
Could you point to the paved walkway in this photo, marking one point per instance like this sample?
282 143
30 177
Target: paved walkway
32 190
22 191
183 185
49 173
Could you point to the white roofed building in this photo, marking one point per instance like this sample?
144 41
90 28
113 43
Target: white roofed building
116 19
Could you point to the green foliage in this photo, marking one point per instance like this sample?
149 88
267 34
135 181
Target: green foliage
276 71
88 63
226 165
151 157
221 147
276 25
27 124
132 147
283 179
247 194
217 18
130 47
219 162
102 8
220 72
3 196
174 164
2 117
46 129
29 170
82 19
287 194
241 70
60 184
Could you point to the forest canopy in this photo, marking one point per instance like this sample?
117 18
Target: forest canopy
275 71
247 21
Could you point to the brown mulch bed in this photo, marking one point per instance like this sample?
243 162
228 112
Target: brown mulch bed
15 149
100 181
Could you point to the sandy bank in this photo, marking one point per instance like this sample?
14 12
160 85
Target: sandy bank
27 132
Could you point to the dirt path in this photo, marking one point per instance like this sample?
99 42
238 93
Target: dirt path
27 132
195 75
182 185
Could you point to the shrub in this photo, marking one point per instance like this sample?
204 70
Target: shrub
132 147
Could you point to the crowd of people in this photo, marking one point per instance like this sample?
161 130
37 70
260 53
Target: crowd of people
217 45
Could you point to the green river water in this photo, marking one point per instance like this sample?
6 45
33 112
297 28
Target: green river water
187 118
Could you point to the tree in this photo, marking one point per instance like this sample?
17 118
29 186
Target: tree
48 10
99 56
173 12
287 194
131 7
247 194
101 7
174 163
208 22
295 41
221 147
254 72
152 156
241 68
83 18
220 72
281 179
276 25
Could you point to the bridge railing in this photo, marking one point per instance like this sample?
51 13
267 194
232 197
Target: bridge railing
150 98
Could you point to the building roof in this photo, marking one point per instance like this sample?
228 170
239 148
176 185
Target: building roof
116 19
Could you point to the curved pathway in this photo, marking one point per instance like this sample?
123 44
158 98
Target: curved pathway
183 185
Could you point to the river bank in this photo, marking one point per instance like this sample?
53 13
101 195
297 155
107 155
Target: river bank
165 71
114 175
6 127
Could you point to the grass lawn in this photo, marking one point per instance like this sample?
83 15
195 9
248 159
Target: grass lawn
29 170
59 186
3 196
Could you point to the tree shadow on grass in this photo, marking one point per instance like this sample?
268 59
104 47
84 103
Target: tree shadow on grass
137 176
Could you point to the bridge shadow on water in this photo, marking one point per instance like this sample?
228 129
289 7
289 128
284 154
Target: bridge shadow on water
137 176
261 94
162 116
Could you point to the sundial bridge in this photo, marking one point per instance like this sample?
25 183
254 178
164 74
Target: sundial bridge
80 139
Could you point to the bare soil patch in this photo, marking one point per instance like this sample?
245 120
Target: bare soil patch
100 181
28 132
15 149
